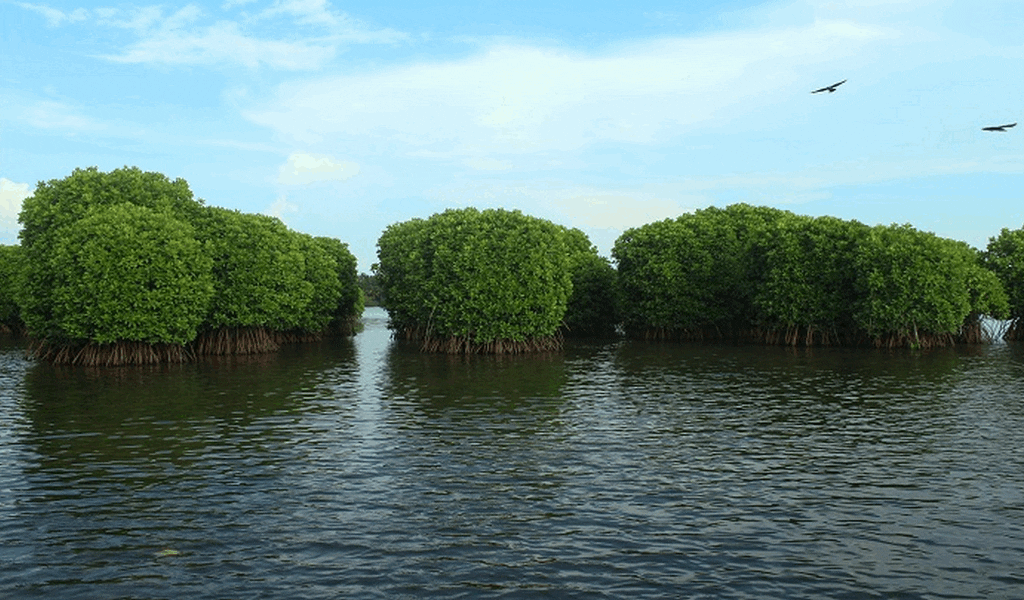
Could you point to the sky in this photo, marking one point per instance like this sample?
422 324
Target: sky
341 118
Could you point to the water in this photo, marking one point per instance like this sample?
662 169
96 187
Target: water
360 468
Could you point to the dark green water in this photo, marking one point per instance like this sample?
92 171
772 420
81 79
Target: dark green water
361 468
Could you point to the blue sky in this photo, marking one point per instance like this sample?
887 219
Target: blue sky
342 118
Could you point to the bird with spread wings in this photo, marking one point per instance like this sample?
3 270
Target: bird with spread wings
829 88
832 88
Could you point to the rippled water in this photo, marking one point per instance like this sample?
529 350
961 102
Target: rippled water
361 468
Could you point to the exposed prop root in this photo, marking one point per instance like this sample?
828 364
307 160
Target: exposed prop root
467 345
226 341
109 355
810 336
344 327
235 340
920 341
462 345
296 336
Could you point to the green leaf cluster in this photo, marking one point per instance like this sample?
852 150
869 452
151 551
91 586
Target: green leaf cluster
258 271
912 282
127 272
752 271
131 256
10 261
593 306
370 288
478 275
808 278
344 305
692 273
1004 256
50 217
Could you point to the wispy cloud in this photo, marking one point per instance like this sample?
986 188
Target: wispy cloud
302 168
224 43
56 17
525 98
189 35
59 116
280 208
137 18
320 13
602 212
617 210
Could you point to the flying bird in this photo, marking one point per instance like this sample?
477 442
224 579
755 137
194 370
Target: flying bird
998 127
829 88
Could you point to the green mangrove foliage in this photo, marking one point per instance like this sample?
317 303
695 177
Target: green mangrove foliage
917 289
468 281
10 314
1004 256
769 275
57 205
127 267
806 279
127 273
370 288
693 276
593 306
259 282
342 306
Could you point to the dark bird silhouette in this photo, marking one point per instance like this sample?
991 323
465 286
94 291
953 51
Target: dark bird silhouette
998 127
829 88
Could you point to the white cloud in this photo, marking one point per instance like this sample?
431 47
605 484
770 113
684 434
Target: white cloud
290 35
221 43
522 98
11 195
280 207
618 211
318 12
586 207
55 17
140 18
58 116
302 168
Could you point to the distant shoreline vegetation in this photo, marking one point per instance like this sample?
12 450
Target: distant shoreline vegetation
127 267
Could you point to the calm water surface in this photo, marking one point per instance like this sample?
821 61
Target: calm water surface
360 468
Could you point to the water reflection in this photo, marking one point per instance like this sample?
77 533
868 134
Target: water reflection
117 463
104 414
364 468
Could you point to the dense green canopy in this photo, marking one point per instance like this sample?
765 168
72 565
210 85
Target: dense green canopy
1004 256
593 307
130 257
337 298
258 270
769 274
469 280
49 217
913 283
127 272
10 314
